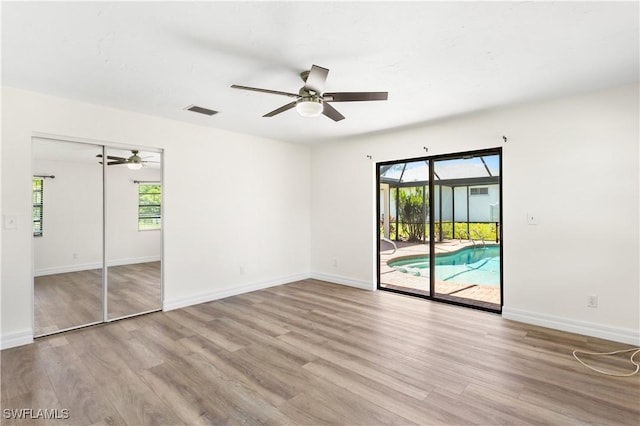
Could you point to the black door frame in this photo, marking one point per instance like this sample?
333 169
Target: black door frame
431 159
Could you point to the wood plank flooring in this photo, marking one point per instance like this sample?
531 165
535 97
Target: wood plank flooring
314 353
74 299
67 300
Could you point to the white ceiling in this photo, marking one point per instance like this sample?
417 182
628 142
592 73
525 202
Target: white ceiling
436 59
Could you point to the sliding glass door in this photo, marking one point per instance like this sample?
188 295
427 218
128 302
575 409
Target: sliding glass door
404 231
440 224
467 263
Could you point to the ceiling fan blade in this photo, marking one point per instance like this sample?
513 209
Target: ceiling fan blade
110 157
117 162
355 96
281 109
255 89
316 79
331 112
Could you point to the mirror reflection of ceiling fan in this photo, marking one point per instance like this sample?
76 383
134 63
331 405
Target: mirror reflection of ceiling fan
312 100
134 162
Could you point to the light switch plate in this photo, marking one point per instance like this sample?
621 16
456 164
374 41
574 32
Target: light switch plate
532 219
10 221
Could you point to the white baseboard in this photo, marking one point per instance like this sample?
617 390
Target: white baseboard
89 266
19 338
133 260
631 337
627 336
65 269
335 279
209 296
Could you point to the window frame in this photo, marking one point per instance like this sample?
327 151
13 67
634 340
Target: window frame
478 190
37 219
154 216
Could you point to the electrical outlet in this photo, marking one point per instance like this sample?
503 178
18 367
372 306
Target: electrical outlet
241 270
592 301
10 222
335 262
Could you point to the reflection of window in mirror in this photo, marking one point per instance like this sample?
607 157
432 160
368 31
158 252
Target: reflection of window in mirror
149 208
38 192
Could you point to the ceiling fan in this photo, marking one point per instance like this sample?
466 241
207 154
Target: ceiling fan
134 162
312 100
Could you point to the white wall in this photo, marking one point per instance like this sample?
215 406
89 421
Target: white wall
232 201
479 205
72 218
72 237
573 162
125 243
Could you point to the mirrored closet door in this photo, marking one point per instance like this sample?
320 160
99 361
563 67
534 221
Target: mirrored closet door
133 232
67 235
97 233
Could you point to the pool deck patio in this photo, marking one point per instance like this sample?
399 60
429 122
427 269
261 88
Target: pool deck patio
477 295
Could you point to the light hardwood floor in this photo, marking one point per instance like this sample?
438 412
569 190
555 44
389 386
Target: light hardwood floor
314 353
74 299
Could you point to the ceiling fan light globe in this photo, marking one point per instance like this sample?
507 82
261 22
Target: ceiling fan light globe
309 108
134 166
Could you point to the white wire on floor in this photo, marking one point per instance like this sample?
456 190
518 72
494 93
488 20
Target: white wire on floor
635 351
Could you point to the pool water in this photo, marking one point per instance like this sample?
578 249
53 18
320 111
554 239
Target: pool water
471 265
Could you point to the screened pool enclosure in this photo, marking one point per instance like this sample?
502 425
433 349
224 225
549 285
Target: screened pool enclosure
448 205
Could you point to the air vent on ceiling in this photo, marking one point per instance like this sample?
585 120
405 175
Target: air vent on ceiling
201 110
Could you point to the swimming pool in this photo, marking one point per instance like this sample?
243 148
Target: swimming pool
471 265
